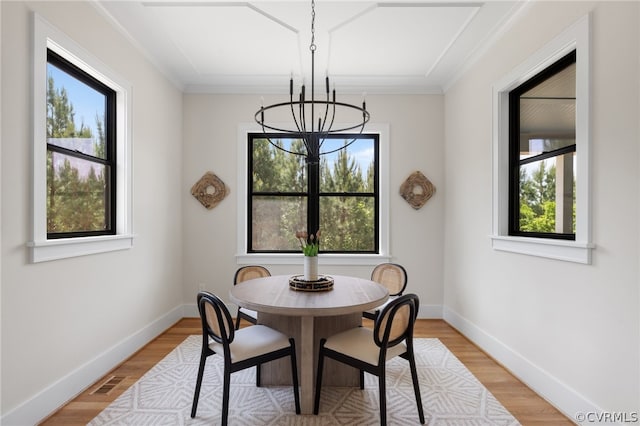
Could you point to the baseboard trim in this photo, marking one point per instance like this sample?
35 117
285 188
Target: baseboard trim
566 399
68 387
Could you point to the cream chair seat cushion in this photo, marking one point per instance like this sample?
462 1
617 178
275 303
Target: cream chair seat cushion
358 343
253 341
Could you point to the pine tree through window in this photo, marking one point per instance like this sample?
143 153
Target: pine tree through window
80 152
282 201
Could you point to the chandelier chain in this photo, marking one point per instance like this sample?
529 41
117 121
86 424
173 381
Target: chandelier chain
312 46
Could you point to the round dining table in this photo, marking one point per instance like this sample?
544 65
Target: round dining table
308 316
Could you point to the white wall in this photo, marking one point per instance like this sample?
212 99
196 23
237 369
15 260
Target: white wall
64 323
416 143
571 331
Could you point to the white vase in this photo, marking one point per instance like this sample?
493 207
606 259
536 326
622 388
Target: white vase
311 268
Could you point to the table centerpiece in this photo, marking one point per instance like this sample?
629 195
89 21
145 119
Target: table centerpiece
310 280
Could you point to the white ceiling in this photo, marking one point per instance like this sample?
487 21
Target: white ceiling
254 47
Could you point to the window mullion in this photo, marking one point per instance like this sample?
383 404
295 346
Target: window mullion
548 154
313 189
77 154
514 162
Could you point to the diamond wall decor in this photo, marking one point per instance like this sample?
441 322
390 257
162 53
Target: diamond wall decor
417 189
209 190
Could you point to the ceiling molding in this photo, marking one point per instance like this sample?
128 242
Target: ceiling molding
376 47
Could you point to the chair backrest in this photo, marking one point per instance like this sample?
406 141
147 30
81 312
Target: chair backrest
395 322
250 272
391 275
216 319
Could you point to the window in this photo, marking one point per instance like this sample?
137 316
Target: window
542 145
541 174
82 183
339 195
290 254
80 153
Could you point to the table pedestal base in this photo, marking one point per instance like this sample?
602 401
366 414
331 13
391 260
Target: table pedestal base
307 332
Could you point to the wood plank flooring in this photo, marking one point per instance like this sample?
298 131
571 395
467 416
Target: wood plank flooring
522 402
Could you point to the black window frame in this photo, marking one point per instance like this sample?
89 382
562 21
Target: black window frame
313 193
110 162
514 150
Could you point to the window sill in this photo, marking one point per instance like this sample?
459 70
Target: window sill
323 259
43 251
568 251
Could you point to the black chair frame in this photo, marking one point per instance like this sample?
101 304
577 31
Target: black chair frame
226 338
379 370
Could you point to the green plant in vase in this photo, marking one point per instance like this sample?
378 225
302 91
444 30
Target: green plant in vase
310 244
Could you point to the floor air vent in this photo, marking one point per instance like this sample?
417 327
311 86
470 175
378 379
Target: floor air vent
106 387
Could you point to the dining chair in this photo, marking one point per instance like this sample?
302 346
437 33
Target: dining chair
394 277
247 273
251 346
369 349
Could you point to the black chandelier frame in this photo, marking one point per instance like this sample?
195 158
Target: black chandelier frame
312 137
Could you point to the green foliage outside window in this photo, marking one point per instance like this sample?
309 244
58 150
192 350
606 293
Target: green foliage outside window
350 220
538 200
76 188
347 205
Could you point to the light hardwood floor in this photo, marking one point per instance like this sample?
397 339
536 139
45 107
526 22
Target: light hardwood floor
522 402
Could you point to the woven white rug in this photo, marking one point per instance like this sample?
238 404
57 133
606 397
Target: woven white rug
451 395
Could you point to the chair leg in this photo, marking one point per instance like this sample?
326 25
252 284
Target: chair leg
238 319
382 389
258 375
316 405
361 379
294 375
196 394
416 385
225 396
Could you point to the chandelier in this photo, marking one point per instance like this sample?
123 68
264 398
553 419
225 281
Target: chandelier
313 133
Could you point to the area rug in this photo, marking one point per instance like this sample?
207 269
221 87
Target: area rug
451 395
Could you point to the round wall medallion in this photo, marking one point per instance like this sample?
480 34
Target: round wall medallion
417 189
209 190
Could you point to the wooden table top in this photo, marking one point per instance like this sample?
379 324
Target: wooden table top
273 295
